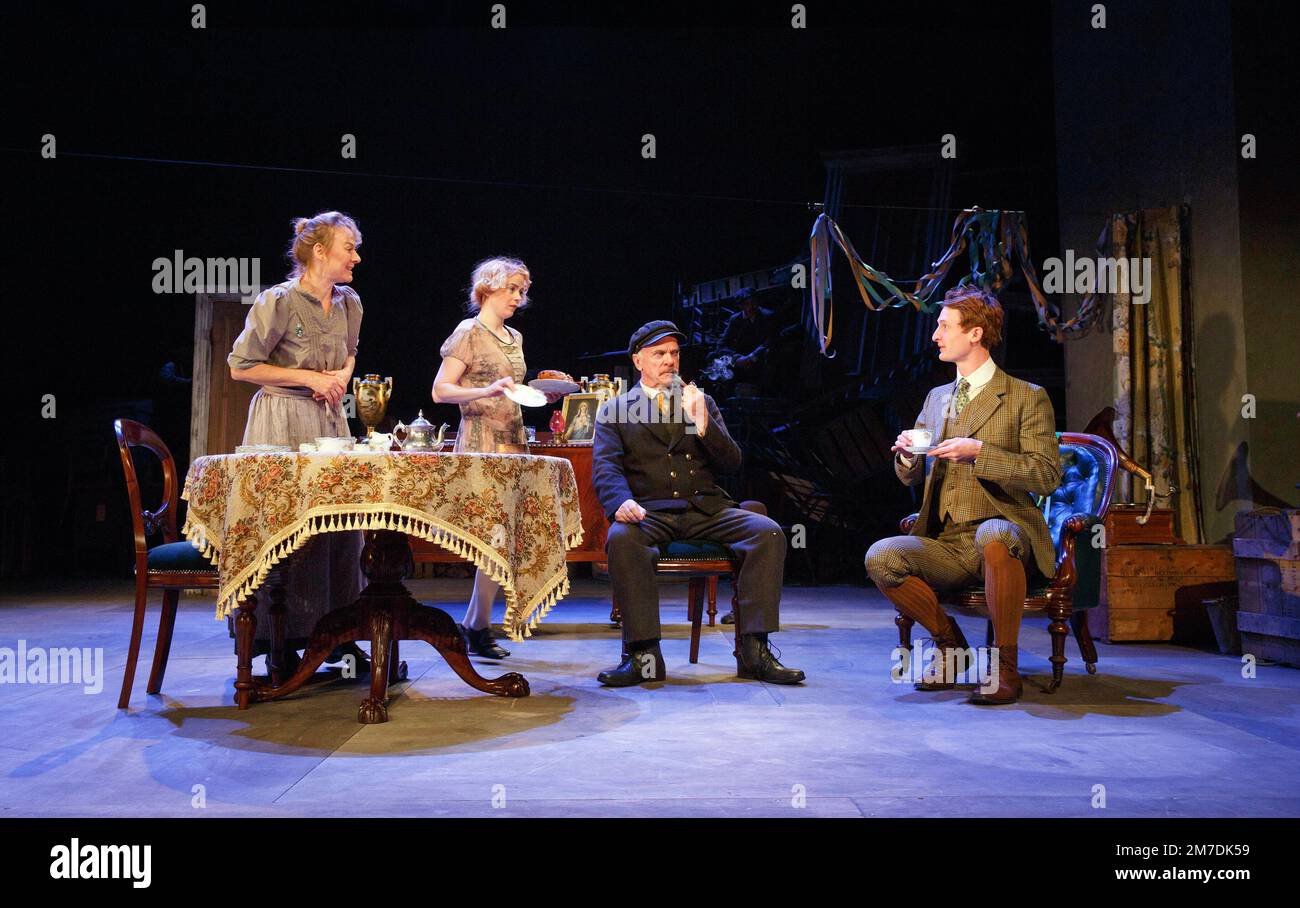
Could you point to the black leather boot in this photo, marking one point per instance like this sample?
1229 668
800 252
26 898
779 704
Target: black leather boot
481 643
754 660
642 662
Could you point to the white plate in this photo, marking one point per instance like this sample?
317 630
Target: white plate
555 386
919 449
526 396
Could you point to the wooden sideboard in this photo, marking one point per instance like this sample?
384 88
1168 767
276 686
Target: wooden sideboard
594 525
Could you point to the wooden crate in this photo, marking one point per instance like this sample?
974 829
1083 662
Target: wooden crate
1142 585
1267 550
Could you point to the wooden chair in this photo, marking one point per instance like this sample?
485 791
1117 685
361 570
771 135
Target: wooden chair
173 566
703 562
1079 503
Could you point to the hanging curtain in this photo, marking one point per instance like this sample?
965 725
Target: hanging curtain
1154 397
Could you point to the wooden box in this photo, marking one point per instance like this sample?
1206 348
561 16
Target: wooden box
1122 527
1267 549
1142 585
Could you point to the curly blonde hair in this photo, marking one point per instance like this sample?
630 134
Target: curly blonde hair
492 274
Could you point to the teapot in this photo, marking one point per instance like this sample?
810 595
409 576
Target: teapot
420 435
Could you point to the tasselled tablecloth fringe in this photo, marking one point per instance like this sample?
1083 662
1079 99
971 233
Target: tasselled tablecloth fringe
544 601
479 553
198 538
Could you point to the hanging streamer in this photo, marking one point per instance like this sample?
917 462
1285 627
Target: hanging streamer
990 238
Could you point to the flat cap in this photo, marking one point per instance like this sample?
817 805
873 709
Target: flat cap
651 332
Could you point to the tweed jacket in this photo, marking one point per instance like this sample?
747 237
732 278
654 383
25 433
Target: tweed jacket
1017 425
661 466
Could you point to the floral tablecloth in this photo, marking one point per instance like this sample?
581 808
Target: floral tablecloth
512 515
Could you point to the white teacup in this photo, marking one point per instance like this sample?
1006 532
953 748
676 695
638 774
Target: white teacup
919 438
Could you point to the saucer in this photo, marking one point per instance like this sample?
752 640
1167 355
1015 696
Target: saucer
526 396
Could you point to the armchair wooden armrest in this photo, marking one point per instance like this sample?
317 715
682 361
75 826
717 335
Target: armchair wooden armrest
1067 574
905 525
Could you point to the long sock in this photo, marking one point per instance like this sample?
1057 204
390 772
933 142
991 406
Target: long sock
479 613
915 599
1004 587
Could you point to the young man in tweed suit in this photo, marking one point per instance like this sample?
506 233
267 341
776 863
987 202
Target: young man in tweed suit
994 444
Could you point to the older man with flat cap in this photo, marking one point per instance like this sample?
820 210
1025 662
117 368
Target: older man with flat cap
655 453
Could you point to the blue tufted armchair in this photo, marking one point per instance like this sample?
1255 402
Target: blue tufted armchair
1080 502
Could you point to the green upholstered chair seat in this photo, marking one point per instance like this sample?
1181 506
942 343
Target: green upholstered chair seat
178 556
694 550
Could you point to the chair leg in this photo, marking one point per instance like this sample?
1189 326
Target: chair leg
162 649
615 614
245 628
713 598
133 650
904 630
1083 636
695 612
1059 629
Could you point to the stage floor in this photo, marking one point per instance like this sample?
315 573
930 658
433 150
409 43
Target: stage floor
1167 731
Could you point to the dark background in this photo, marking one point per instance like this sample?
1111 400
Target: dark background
471 142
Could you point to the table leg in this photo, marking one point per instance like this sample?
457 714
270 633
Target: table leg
384 614
337 627
374 709
435 627
245 626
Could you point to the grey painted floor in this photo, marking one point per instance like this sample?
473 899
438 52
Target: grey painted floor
1167 731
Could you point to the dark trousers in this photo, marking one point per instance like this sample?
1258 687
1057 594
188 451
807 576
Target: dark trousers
632 549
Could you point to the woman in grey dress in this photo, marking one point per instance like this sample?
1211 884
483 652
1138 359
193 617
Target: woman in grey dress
481 359
299 344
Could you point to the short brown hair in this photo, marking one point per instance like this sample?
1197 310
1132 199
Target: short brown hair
979 309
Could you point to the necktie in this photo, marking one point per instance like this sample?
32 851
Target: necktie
664 408
963 396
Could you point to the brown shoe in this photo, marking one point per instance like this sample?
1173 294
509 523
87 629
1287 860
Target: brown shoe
950 639
1009 685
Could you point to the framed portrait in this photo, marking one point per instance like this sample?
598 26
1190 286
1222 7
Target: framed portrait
580 418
